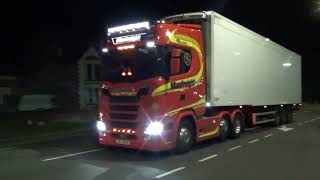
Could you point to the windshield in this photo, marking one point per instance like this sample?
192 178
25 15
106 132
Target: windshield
136 64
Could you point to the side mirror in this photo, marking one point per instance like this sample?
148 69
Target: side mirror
175 61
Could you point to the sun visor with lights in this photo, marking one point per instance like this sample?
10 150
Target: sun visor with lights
129 33
129 28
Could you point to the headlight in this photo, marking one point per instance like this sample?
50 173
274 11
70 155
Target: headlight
101 126
154 128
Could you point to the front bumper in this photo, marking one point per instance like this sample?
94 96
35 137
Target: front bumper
142 142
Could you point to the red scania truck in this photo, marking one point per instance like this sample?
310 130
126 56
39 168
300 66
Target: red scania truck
192 77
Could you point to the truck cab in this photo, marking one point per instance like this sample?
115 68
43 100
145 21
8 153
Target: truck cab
153 78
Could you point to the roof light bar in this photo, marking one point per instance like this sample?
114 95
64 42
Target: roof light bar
126 28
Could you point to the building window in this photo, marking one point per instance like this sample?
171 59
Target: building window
97 74
89 72
93 72
92 96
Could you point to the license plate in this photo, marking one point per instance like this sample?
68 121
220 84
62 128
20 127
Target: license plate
123 142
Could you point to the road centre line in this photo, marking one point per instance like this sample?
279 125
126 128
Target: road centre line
70 155
269 135
207 158
234 148
253 141
169 172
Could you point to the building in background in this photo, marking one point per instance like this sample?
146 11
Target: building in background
73 80
10 89
7 83
89 78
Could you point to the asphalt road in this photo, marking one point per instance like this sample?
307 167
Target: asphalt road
291 152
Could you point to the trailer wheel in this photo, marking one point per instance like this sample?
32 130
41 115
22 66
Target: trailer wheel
224 128
185 137
289 114
236 126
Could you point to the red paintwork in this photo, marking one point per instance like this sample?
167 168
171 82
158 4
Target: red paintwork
234 112
156 107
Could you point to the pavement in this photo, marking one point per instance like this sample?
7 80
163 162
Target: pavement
19 128
287 152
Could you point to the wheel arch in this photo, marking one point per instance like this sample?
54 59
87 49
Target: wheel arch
186 115
234 113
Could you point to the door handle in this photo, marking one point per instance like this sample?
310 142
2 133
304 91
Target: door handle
182 97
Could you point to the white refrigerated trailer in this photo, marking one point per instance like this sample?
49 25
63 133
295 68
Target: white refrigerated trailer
244 68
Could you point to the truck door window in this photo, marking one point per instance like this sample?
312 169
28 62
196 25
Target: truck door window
185 60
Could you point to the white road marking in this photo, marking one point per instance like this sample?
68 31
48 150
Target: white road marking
253 141
207 158
315 119
234 148
169 172
69 155
7 148
269 135
299 124
285 128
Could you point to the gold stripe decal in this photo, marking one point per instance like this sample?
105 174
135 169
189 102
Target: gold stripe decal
209 133
200 103
185 41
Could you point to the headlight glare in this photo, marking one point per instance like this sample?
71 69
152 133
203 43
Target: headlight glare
101 126
154 128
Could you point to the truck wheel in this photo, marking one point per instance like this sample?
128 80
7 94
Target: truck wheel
185 137
236 127
289 114
224 128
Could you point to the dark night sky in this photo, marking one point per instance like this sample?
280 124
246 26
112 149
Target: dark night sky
32 32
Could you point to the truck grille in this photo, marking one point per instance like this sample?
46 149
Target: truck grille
124 107
124 99
129 125
123 116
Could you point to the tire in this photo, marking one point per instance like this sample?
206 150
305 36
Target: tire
283 116
185 137
236 127
289 114
224 128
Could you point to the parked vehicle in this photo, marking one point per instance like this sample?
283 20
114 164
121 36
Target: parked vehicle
37 102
